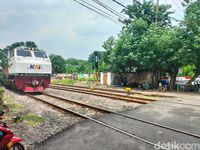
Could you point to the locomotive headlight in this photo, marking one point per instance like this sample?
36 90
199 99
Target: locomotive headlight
35 82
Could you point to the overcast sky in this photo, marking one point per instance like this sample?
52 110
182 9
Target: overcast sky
61 27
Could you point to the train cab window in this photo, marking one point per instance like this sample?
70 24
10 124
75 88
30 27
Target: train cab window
23 53
40 54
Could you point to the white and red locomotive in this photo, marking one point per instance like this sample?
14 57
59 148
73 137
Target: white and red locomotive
29 70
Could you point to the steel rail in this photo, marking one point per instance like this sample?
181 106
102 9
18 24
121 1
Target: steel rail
167 101
112 90
98 122
124 115
96 91
105 92
76 102
103 95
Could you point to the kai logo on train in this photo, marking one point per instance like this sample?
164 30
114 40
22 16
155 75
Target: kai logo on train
35 67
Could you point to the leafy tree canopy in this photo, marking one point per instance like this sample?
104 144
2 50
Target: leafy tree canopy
109 43
147 12
58 64
192 33
3 62
74 61
29 44
3 59
188 70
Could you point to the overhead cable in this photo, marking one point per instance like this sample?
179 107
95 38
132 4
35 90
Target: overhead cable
98 9
100 13
174 9
177 5
119 4
109 9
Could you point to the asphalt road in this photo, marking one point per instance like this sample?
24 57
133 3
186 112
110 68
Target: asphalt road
88 135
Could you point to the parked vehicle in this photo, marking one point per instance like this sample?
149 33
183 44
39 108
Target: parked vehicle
8 141
193 86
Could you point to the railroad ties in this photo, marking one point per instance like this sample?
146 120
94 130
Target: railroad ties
103 110
104 93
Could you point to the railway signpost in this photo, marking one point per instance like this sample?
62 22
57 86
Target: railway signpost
96 66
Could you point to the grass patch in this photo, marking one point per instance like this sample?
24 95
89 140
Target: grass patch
17 109
32 119
13 105
65 81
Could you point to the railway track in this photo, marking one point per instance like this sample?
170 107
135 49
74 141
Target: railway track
124 97
62 109
106 111
113 90
129 98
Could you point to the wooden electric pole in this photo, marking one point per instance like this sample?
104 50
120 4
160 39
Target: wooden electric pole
157 7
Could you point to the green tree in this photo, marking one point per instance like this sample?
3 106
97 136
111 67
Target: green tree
30 44
74 61
85 67
3 59
3 63
188 70
58 64
123 57
71 68
74 65
152 48
147 46
192 34
108 45
147 12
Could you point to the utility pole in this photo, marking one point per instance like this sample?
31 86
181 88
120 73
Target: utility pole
157 6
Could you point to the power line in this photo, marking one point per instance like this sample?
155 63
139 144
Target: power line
119 4
98 9
177 5
100 13
174 10
109 9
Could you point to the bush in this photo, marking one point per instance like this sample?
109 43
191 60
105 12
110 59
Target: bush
3 78
81 79
92 79
64 81
1 93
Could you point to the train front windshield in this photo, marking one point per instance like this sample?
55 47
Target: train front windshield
40 54
24 53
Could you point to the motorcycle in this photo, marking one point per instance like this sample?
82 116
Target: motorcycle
9 141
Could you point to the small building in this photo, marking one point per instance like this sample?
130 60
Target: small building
116 78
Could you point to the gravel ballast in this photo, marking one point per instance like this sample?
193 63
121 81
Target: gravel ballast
56 121
113 104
